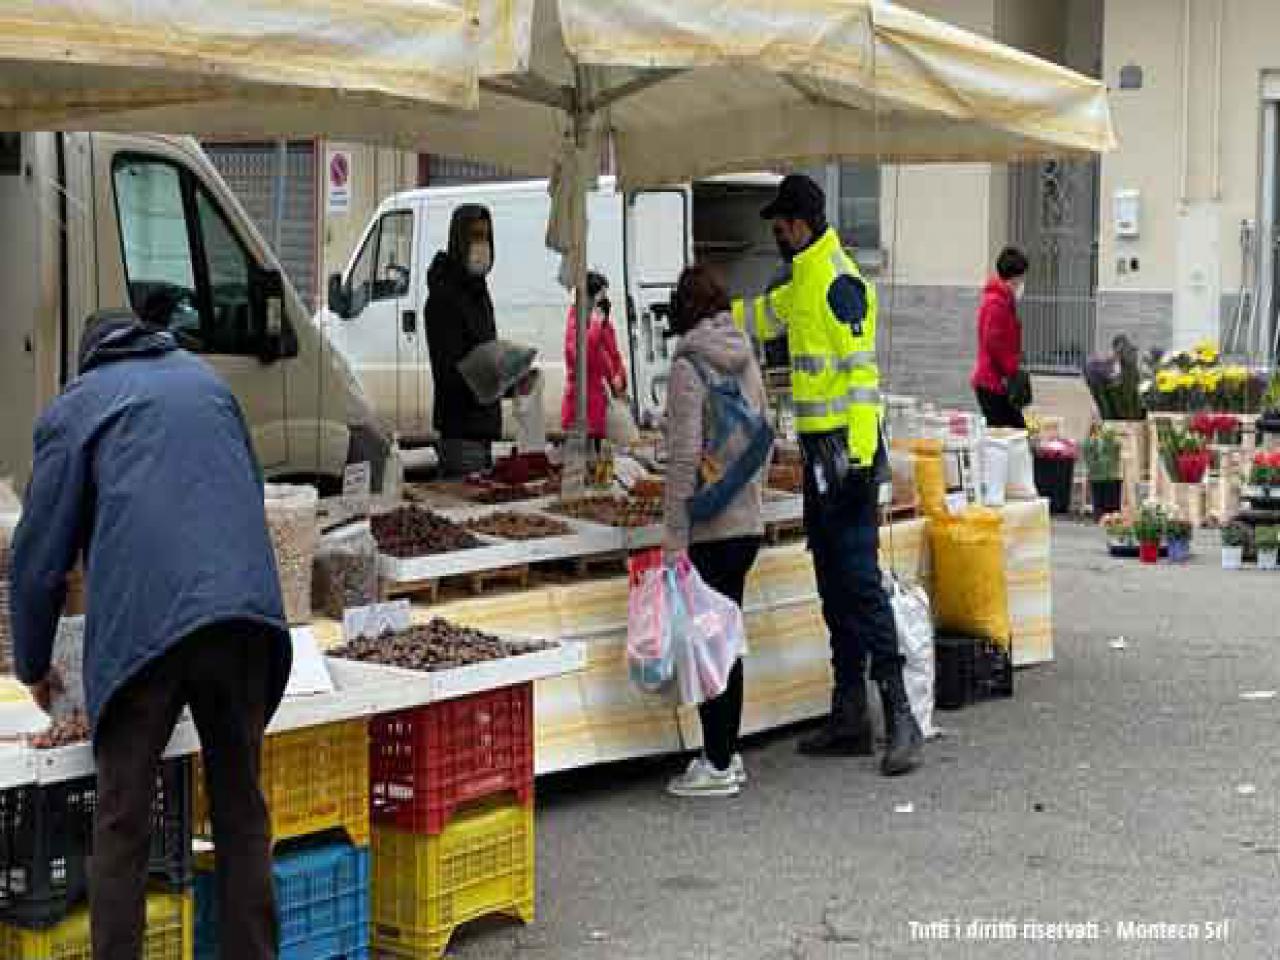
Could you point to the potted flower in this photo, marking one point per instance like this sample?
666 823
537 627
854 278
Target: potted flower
1149 531
1178 535
1268 543
1055 465
1102 460
1235 536
1121 541
1264 476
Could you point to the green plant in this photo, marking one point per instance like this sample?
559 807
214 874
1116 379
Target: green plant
1151 524
1267 538
1235 535
1179 531
1102 455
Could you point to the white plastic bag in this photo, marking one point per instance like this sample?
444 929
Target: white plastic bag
995 471
1020 483
620 426
291 521
709 635
915 639
492 369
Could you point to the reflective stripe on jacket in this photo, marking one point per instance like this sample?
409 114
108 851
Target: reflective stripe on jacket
835 380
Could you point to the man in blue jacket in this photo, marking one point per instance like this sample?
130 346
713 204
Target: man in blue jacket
144 467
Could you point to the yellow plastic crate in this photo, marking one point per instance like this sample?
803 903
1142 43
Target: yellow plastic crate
315 780
170 934
425 887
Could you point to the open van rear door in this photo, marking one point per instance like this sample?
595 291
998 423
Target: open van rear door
659 244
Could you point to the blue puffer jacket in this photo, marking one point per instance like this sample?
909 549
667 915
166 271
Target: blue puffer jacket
144 465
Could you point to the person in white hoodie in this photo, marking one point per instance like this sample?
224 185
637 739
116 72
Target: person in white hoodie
724 548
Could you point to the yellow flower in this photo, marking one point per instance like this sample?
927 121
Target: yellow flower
1166 381
1235 374
1206 351
1187 381
1212 380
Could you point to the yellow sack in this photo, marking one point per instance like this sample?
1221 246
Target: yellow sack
970 596
931 477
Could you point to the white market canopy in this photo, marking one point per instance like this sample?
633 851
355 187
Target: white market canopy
68 64
687 88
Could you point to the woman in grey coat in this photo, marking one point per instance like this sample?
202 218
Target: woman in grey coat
724 548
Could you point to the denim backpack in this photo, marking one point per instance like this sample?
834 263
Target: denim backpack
736 443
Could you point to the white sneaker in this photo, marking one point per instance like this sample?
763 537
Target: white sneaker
739 770
703 780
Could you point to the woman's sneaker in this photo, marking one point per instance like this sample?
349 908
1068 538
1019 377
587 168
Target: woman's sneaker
738 769
703 780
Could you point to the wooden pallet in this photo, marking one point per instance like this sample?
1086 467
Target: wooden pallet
477 583
600 564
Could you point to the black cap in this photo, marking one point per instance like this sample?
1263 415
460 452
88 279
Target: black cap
799 198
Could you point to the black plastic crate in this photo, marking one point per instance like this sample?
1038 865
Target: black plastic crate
969 670
46 843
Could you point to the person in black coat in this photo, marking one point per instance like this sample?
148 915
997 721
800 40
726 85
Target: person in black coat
458 318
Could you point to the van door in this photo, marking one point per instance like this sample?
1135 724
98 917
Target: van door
381 332
659 237
20 273
182 265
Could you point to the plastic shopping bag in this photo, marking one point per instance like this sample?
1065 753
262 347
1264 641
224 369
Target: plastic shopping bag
915 639
709 635
650 657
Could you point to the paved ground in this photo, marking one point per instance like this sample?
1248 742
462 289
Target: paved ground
1120 785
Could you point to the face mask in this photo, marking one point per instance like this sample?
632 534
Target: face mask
1019 288
479 259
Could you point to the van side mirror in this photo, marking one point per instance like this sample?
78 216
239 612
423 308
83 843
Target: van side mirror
339 297
266 303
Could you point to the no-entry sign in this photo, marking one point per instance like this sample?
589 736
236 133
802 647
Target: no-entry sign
339 165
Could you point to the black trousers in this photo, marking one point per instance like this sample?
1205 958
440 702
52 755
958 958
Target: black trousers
843 529
998 411
723 566
223 672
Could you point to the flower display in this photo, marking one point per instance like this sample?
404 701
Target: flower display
1197 380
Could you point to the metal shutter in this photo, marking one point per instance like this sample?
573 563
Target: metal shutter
250 171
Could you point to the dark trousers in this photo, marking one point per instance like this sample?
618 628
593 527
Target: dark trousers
723 566
998 411
223 673
843 530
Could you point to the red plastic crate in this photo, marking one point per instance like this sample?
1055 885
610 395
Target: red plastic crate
427 762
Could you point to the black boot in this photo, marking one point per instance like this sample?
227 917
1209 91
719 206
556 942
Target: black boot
902 754
847 732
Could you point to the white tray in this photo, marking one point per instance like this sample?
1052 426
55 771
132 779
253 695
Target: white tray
363 690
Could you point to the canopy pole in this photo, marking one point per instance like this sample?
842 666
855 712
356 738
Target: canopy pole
582 306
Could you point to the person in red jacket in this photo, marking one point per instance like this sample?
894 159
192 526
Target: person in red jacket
1000 341
606 374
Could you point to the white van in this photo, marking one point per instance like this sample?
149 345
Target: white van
95 221
640 242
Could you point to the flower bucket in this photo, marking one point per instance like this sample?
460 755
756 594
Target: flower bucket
1193 466
1106 496
1149 551
1179 551
1232 558
1268 558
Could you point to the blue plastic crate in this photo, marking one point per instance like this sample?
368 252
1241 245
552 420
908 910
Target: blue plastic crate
322 895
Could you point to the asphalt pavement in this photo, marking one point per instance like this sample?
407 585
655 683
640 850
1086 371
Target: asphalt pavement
1127 797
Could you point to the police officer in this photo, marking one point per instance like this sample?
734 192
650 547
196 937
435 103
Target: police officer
828 313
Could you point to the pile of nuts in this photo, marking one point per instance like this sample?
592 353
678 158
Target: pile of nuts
73 728
439 645
415 532
626 512
510 525
509 493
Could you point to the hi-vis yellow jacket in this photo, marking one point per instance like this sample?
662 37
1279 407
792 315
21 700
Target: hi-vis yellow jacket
835 381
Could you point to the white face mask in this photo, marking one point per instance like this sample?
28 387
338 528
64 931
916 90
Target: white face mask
1019 288
480 259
